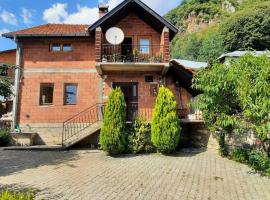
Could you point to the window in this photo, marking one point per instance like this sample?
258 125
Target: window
67 47
149 79
145 46
56 47
70 94
46 94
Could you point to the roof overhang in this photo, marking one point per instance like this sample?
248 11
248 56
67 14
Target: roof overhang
184 76
106 67
141 10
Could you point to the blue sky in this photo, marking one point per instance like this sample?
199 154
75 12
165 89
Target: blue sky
20 14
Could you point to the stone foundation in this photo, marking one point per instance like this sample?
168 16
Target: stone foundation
47 133
196 134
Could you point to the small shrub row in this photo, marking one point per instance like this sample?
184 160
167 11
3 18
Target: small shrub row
116 138
256 159
8 195
4 137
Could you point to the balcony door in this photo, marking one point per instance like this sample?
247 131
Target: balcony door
127 49
130 91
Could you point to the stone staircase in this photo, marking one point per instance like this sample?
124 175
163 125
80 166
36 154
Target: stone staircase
82 125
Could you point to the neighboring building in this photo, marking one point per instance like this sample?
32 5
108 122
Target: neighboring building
225 58
7 57
68 71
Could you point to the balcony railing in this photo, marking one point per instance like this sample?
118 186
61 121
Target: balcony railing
132 53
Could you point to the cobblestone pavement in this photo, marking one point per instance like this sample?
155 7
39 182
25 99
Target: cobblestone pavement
81 174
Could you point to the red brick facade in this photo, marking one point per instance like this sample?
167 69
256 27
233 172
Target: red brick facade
41 65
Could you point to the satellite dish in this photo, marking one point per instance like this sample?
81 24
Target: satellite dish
115 36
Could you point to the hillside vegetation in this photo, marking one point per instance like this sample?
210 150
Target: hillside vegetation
210 28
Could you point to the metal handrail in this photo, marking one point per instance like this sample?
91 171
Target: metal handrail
132 53
82 120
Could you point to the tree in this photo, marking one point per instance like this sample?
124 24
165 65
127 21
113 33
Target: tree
254 94
218 101
248 29
165 128
236 98
112 136
5 82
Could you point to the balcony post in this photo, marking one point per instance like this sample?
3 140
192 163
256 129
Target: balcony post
165 42
98 42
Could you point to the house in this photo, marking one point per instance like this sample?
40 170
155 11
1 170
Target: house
68 71
225 58
7 57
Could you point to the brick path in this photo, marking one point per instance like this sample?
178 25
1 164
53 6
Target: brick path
92 175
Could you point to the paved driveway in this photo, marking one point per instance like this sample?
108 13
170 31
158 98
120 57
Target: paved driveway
92 175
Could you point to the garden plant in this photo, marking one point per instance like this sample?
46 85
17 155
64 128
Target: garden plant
113 136
165 127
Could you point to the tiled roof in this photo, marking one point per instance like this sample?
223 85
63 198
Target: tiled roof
51 30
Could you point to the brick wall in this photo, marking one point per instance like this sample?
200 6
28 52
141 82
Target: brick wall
146 98
36 54
9 57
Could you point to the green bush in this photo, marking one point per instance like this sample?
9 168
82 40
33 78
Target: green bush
138 138
4 137
113 137
165 127
259 161
7 195
240 155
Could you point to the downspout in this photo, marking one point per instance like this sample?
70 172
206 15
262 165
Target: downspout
16 84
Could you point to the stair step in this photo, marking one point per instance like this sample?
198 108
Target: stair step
82 135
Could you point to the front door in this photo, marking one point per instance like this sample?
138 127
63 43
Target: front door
130 91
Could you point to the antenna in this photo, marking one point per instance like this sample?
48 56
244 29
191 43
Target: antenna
115 36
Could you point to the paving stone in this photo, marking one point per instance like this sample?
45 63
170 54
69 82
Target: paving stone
83 174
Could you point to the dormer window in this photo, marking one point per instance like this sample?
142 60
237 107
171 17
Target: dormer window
144 46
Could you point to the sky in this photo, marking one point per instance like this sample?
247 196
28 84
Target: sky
21 14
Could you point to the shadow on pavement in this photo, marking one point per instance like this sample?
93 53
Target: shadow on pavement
16 161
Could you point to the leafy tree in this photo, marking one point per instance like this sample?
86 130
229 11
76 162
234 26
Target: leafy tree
254 94
165 127
218 100
5 82
236 98
112 136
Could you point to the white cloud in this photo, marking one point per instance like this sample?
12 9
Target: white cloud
8 17
87 15
27 16
84 15
56 14
4 30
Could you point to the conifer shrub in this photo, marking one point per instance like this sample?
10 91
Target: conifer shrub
113 136
165 127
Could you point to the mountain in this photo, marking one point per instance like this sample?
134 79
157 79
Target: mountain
209 28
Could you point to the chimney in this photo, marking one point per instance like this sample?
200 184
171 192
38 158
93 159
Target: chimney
103 9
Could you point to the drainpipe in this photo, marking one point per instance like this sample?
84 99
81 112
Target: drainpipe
16 84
